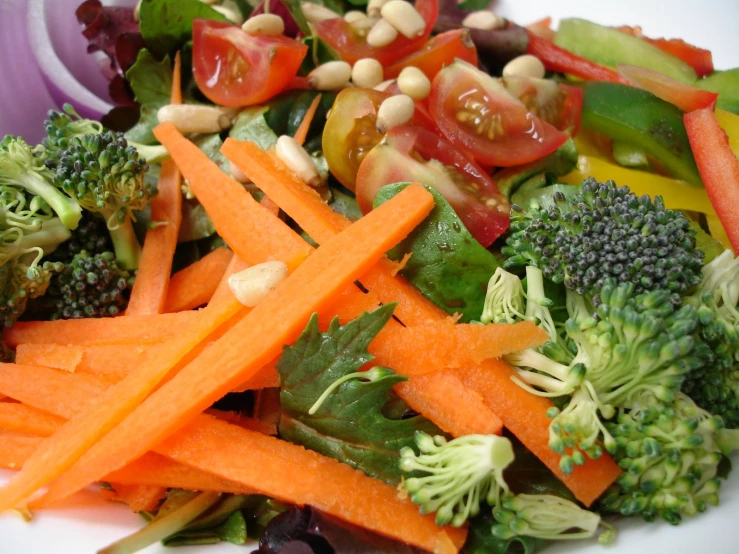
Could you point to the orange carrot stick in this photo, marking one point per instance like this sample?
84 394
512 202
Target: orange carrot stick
139 497
16 417
149 292
93 422
253 233
268 203
260 462
149 329
250 343
175 96
194 285
525 415
15 449
57 356
301 133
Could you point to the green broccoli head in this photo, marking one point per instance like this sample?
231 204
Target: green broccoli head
61 127
606 233
22 278
91 285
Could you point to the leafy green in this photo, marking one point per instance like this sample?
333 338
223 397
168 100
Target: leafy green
447 264
528 475
318 53
151 80
167 24
523 197
345 204
211 147
251 125
196 224
350 424
473 5
480 539
142 132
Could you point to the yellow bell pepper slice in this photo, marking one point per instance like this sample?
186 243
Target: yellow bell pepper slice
717 230
730 123
677 195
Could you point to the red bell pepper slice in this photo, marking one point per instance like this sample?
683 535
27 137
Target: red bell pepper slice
558 59
718 166
685 97
699 59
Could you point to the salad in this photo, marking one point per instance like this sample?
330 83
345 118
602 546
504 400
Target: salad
375 276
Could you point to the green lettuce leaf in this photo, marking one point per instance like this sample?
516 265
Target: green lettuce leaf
151 80
448 265
351 425
251 125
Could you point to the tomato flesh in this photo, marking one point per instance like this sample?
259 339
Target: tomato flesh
555 103
437 53
233 68
352 45
477 114
411 153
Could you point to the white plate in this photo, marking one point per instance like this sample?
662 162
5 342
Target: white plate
88 524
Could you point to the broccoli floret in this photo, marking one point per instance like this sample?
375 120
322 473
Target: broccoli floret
106 176
21 171
61 127
91 285
461 473
715 386
670 454
91 235
606 233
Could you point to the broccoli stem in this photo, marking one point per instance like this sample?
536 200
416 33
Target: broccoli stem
151 154
125 245
52 233
68 209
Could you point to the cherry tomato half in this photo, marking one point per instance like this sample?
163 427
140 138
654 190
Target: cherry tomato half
352 45
412 153
351 131
555 103
438 52
233 68
477 114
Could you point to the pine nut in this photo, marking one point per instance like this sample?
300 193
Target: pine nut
413 82
234 16
524 66
394 111
251 285
375 6
237 174
315 13
297 160
382 87
267 24
190 118
358 20
381 34
404 17
330 76
483 19
367 73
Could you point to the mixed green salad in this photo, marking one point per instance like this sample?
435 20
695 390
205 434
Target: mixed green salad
585 185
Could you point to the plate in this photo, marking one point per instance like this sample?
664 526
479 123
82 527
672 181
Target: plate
86 524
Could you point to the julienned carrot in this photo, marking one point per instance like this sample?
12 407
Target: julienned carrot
249 229
149 292
525 415
305 206
140 498
147 329
301 133
251 423
92 422
223 291
269 204
57 356
265 378
16 417
251 342
260 462
194 285
175 96
321 222
60 393
15 449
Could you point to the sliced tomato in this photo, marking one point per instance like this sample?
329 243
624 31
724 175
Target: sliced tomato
233 68
411 153
477 114
352 45
699 59
438 53
555 103
351 131
685 97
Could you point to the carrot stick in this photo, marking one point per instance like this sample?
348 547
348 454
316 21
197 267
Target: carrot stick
148 329
194 285
223 291
265 378
16 417
525 415
149 292
60 393
261 462
140 498
248 228
301 133
57 356
176 94
251 423
94 421
252 342
15 449
268 203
